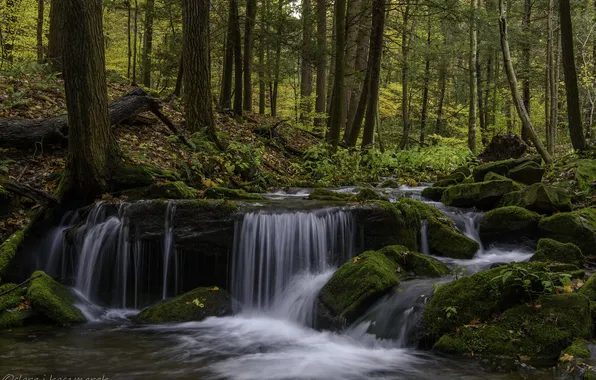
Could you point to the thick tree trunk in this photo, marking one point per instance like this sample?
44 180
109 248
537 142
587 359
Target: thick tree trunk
550 78
517 99
337 115
249 27
361 64
573 106
93 152
40 12
526 54
55 41
321 101
405 117
472 63
360 110
376 52
262 42
275 85
148 42
354 16
135 42
306 61
198 102
225 100
179 78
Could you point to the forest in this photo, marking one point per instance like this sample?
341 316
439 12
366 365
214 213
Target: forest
298 189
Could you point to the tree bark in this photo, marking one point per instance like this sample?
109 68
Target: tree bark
550 78
321 101
472 63
337 116
480 97
262 42
526 55
129 37
306 61
225 100
360 110
40 15
573 106
249 27
517 99
93 152
148 42
275 85
354 14
238 63
55 41
134 52
442 88
179 78
405 117
424 111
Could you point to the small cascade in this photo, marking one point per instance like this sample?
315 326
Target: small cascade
56 264
424 238
279 259
168 249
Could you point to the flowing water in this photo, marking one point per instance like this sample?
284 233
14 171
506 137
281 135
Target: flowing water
280 261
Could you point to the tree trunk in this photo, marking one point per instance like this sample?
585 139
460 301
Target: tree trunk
480 97
93 152
321 101
573 106
55 40
550 78
275 85
249 28
487 101
262 41
198 103
526 55
442 88
472 63
336 115
353 16
129 37
40 11
376 52
135 42
238 63
405 117
517 99
148 42
179 78
424 111
361 109
306 61
361 64
225 100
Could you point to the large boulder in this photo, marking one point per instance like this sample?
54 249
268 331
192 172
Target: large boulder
415 263
577 227
433 193
451 179
508 223
550 250
53 300
527 173
539 198
585 175
483 195
503 147
195 305
502 167
589 289
538 332
445 240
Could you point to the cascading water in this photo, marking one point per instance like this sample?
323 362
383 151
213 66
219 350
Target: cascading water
55 264
282 260
424 238
168 249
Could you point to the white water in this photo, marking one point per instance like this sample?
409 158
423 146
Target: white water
168 249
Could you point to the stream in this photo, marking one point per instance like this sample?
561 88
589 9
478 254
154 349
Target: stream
280 261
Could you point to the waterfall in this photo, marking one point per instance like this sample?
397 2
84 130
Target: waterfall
55 265
280 260
424 238
168 249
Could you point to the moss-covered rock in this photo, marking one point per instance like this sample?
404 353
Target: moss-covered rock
195 305
490 176
480 296
539 333
357 285
585 174
433 193
8 250
577 227
509 223
389 184
172 190
527 173
445 240
329 195
463 170
589 289
10 314
132 176
550 250
483 195
12 299
53 300
578 349
539 198
13 318
450 180
414 262
502 167
217 192
368 194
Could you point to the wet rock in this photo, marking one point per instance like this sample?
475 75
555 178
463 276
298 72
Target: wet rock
527 173
172 190
577 227
195 305
508 223
368 194
502 167
450 180
414 262
218 192
483 195
433 193
538 333
445 240
589 290
550 250
329 195
53 300
389 184
540 198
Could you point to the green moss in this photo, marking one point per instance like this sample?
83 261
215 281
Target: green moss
225 193
445 240
3 191
419 264
501 167
577 227
508 222
589 288
539 198
527 173
483 195
8 250
578 349
552 250
389 184
53 300
368 194
329 195
585 174
494 177
172 190
433 193
10 319
12 299
450 180
129 177
537 332
463 170
359 283
195 305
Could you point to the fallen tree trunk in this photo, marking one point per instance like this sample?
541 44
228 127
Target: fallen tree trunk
27 133
41 197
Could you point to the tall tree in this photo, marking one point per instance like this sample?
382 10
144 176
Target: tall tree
238 63
135 42
249 27
264 25
197 69
129 36
306 60
424 111
472 63
93 151
526 58
148 41
336 115
550 78
513 85
405 115
55 40
40 11
225 98
573 105
320 106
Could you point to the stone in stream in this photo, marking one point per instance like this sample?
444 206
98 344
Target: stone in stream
433 193
195 305
577 227
502 167
218 192
361 281
508 223
483 195
550 250
540 198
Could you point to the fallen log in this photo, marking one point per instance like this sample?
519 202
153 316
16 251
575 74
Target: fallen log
27 133
41 197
